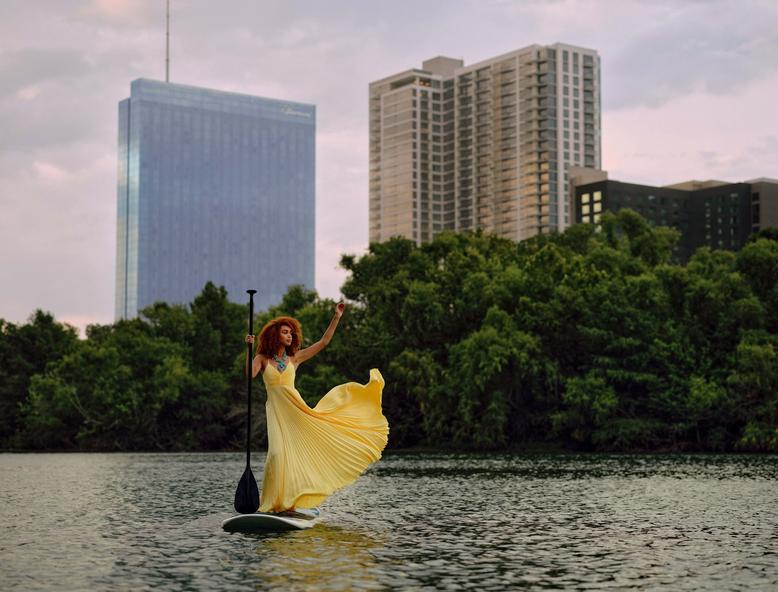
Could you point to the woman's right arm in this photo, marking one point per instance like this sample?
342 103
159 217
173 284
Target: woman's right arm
257 362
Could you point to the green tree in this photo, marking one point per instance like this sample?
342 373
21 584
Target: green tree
593 337
26 350
589 403
490 377
754 378
219 326
758 263
107 393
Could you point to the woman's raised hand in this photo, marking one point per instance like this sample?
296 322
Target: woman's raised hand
339 308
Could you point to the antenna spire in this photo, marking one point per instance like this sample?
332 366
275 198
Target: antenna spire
167 42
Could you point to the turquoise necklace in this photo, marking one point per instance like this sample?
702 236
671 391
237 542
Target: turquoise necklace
281 363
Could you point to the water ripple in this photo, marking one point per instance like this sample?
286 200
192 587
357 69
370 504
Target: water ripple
413 522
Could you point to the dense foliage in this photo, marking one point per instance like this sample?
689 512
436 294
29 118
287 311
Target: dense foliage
586 339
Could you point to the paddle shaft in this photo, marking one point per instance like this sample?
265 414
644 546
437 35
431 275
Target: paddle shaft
249 379
247 492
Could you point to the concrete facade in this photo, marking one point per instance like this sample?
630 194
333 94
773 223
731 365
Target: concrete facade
485 146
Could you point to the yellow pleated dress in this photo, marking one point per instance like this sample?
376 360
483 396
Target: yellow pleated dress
313 452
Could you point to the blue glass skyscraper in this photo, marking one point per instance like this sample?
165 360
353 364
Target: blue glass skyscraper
212 186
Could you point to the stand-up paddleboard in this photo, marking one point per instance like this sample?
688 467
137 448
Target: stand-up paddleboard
265 522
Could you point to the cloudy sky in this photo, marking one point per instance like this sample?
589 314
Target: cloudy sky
689 91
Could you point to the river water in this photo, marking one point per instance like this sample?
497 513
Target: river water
412 522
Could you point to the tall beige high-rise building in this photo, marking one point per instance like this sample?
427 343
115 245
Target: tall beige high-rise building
486 146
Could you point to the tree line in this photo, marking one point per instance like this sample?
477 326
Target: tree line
590 339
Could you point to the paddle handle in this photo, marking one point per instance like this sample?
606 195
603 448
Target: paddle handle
249 377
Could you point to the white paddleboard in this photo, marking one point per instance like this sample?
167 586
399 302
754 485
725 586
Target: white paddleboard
266 522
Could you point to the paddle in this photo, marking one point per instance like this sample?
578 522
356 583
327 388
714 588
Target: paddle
247 493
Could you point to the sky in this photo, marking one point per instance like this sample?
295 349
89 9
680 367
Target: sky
689 91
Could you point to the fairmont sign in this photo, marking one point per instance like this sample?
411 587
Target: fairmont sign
292 111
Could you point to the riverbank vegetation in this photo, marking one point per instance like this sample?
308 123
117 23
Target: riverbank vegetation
592 340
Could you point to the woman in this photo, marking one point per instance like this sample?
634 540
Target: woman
313 452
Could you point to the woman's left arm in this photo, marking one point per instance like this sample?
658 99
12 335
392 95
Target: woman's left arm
309 352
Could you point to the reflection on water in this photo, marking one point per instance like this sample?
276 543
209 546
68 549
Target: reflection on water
321 558
434 521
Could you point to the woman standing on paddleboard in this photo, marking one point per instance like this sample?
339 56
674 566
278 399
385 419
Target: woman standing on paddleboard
313 452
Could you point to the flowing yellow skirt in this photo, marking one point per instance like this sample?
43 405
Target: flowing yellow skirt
313 452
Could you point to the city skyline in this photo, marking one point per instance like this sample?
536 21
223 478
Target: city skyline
687 92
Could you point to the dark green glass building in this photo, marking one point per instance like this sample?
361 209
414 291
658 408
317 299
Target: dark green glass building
707 213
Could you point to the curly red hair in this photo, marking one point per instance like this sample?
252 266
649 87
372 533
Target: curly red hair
270 337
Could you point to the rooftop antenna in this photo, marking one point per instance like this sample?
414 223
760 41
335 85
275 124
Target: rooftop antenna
167 41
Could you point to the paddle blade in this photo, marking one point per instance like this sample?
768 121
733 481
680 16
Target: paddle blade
247 494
